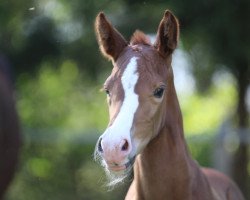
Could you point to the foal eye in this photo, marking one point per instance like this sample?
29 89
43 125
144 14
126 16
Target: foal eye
158 92
107 92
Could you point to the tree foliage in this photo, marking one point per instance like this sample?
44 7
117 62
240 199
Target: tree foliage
58 71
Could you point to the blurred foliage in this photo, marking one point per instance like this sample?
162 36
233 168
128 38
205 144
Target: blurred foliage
58 169
205 113
58 72
61 97
35 31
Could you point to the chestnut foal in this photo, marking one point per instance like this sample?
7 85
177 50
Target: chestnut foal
145 129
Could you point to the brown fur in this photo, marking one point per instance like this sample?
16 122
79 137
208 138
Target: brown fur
163 168
167 34
111 42
139 38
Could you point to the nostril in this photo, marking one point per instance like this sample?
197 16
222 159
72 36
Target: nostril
125 145
100 149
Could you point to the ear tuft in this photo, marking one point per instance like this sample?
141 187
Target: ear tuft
101 15
167 34
110 41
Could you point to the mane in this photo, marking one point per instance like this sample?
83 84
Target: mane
140 38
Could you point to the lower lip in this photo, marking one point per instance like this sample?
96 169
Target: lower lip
117 168
122 167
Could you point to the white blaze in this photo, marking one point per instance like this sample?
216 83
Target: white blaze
120 129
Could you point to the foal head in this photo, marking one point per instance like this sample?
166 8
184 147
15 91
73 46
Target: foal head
137 91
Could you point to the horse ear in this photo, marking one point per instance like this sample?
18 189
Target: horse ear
111 42
167 34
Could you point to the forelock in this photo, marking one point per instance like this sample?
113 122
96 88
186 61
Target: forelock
140 38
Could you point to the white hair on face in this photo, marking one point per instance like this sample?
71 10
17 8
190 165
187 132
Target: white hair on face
113 178
122 125
121 128
116 178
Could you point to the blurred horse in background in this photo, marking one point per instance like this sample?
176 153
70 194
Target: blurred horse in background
9 129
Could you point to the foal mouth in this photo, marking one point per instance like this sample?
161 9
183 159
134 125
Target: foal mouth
118 168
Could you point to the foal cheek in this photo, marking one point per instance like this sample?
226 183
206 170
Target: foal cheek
148 121
142 133
140 139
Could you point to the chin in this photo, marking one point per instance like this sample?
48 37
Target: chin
118 175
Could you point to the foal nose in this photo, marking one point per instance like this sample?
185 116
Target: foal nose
124 145
114 152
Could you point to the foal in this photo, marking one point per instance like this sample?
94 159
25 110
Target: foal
145 130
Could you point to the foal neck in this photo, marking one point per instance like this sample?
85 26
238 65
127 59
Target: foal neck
163 168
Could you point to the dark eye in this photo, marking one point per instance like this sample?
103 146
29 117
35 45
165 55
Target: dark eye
107 92
158 92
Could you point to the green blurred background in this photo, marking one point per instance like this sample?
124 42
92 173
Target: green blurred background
58 71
